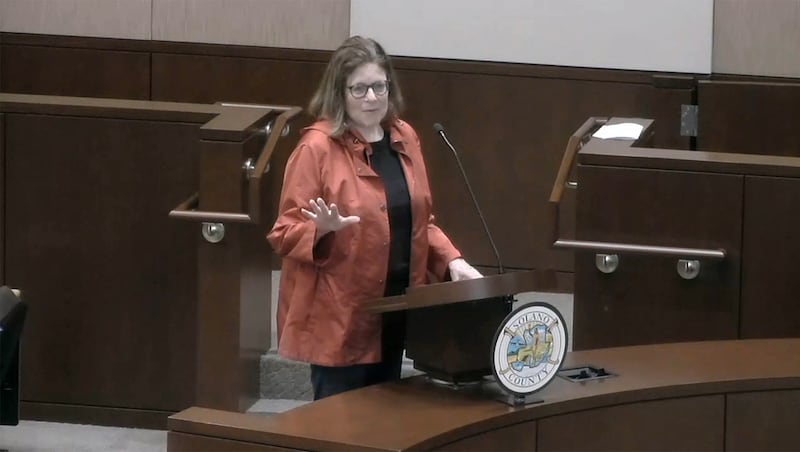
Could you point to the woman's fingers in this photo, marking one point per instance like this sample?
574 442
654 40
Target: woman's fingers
327 216
320 207
323 207
308 214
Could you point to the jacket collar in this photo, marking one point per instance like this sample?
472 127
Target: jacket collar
355 142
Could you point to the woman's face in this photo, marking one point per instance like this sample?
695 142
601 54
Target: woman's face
366 113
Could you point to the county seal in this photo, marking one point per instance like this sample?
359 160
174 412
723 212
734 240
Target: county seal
529 347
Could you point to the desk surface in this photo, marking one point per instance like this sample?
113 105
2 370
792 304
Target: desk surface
419 413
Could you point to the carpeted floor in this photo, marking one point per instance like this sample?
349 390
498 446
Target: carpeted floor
32 436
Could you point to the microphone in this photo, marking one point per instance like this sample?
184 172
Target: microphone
440 131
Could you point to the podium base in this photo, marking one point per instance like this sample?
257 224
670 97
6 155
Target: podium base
519 401
453 378
476 385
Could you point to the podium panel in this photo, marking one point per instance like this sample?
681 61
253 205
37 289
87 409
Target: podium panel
677 245
453 342
451 325
665 210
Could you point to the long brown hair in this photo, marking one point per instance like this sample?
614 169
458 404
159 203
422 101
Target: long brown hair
328 101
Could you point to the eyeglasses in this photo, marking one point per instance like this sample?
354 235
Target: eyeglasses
359 90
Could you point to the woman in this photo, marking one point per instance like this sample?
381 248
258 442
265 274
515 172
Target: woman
355 224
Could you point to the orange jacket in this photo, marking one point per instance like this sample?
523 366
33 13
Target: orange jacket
319 320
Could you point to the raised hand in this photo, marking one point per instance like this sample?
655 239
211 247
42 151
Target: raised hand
327 217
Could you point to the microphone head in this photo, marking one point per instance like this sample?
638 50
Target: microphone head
438 128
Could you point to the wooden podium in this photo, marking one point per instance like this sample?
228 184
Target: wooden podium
233 259
451 325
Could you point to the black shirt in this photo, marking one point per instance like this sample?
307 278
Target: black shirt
386 163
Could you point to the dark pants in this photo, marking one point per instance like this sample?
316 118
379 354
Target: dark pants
327 381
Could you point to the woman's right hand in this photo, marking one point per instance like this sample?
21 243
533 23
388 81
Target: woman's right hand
327 217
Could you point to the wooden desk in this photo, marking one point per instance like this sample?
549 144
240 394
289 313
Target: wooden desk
720 395
133 315
704 202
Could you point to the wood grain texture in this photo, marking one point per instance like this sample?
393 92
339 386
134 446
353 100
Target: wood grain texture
756 37
506 438
301 24
110 278
128 19
691 423
769 251
742 203
509 122
664 397
75 72
510 132
182 442
762 421
754 117
645 301
137 323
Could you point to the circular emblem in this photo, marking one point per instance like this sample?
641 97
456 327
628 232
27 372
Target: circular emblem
529 348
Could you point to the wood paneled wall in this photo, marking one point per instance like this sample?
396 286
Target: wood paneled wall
749 116
509 122
757 37
307 24
744 37
303 24
48 69
111 279
103 18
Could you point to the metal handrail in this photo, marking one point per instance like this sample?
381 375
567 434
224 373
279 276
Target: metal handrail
611 247
187 210
262 163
